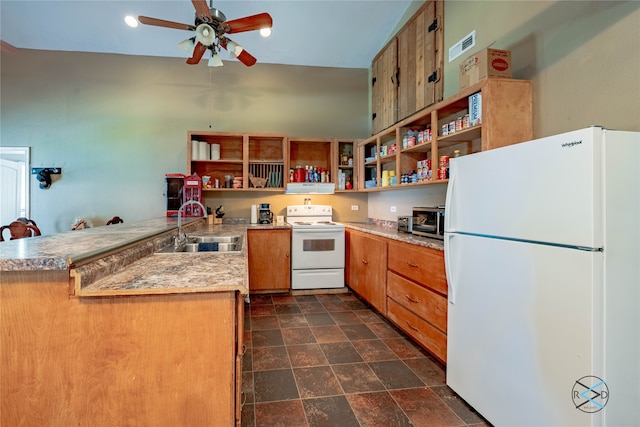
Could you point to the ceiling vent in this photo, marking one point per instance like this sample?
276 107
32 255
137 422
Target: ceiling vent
462 46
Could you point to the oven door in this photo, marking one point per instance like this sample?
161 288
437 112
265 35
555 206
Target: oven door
315 248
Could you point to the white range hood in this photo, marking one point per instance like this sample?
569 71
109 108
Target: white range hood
310 188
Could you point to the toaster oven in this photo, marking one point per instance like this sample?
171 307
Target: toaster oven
429 222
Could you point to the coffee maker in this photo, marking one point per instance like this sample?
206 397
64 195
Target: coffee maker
265 216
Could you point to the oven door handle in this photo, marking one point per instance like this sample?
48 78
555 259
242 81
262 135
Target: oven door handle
327 230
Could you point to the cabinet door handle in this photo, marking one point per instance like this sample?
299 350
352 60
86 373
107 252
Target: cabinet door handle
364 261
287 255
412 327
410 264
411 299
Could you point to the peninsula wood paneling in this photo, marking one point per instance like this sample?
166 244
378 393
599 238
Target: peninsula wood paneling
164 360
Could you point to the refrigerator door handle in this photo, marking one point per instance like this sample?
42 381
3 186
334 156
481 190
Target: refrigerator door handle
449 200
448 238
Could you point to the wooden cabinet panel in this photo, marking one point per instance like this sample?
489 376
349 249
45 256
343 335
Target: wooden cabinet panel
506 107
419 57
407 73
384 89
425 303
367 267
423 265
423 332
269 259
149 360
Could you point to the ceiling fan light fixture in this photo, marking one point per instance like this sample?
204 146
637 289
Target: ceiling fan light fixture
131 21
187 46
205 34
265 32
234 48
215 60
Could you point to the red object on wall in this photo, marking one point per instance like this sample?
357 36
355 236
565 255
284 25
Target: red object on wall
192 190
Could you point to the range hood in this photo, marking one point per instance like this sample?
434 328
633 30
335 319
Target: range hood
310 188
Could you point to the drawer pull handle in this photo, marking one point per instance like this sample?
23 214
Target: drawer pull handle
364 261
411 299
413 327
412 264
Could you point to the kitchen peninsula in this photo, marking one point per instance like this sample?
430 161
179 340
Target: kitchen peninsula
98 330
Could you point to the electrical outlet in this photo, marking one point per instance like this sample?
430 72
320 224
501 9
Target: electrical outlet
393 208
355 207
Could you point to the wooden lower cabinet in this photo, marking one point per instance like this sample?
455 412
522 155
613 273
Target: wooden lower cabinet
366 270
431 338
417 295
405 282
147 360
269 260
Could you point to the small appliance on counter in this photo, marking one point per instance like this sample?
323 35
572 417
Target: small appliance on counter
405 224
428 222
265 216
175 183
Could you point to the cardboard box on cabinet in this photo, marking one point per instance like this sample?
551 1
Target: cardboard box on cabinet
486 63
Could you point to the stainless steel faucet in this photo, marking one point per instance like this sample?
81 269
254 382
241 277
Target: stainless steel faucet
181 238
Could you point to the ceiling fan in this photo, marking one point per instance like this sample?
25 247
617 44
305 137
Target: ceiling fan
211 27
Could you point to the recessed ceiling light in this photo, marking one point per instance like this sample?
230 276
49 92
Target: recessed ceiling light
265 32
131 21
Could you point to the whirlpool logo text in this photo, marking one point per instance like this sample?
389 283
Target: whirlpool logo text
571 144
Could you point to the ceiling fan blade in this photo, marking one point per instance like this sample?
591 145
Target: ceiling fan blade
246 58
248 23
162 23
8 48
197 54
202 10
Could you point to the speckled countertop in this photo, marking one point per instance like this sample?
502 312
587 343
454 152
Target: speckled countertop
391 232
119 259
60 251
181 272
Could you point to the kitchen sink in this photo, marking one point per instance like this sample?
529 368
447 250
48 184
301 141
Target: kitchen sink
222 244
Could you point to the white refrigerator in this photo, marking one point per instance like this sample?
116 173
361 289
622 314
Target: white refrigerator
543 263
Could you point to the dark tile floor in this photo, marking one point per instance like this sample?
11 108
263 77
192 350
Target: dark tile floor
331 360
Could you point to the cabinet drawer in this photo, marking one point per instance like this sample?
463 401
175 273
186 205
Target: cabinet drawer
420 264
427 304
424 333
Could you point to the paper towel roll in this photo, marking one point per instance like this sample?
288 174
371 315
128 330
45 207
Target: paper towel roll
254 214
215 151
195 150
203 151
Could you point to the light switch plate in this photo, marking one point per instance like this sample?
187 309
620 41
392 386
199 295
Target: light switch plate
355 207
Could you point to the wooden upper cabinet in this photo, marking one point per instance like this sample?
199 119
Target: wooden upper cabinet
384 87
420 60
407 73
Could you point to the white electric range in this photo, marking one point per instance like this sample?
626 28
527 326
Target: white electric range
317 247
